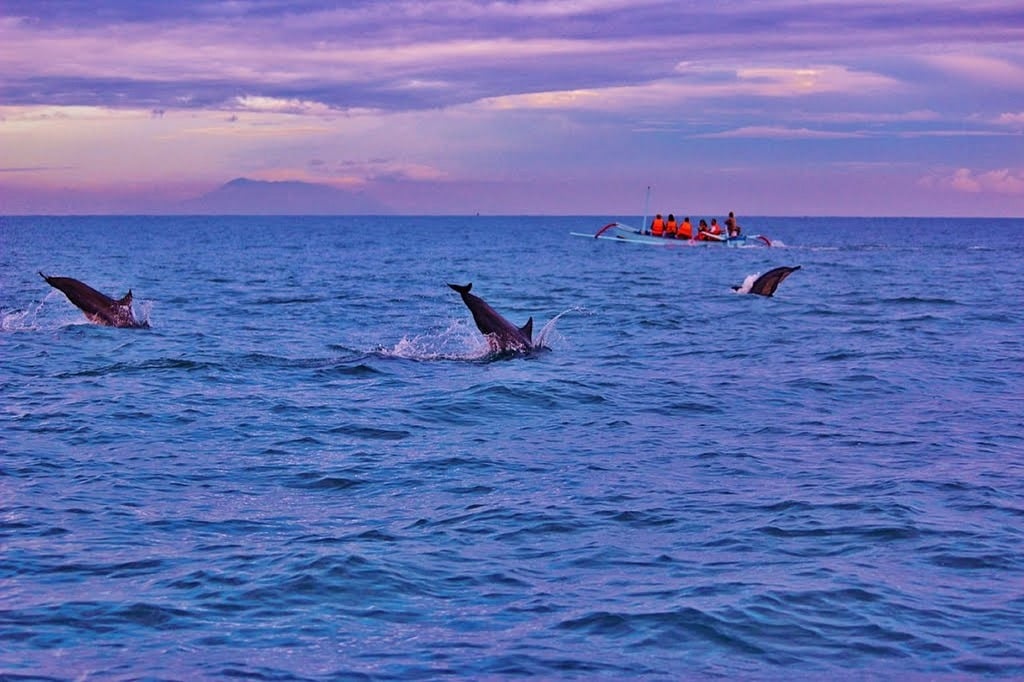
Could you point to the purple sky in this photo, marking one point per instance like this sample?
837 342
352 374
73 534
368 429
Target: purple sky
792 107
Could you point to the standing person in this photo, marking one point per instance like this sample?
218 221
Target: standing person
671 226
685 229
658 226
731 226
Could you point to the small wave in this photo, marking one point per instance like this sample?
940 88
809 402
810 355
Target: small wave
913 300
667 628
146 366
315 480
370 432
287 300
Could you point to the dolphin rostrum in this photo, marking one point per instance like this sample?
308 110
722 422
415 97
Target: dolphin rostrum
98 308
501 334
766 284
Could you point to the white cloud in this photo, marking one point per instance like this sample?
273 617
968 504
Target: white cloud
1004 181
1009 118
963 180
277 105
966 180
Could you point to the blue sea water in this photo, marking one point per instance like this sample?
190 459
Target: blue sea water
310 468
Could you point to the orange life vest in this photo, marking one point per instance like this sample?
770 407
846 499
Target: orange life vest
685 230
715 229
658 227
671 227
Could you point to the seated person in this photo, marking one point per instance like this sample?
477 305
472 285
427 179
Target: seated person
685 230
671 226
658 226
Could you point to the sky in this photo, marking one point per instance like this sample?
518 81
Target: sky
764 107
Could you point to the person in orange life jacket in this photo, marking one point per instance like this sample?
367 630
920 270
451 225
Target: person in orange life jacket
685 230
671 227
731 226
658 226
702 230
716 229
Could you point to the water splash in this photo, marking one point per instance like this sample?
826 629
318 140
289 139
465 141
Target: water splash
747 283
27 319
42 317
142 310
457 342
460 341
548 334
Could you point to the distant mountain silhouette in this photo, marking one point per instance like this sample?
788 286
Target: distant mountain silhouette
243 196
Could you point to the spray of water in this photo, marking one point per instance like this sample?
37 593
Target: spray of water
456 342
748 283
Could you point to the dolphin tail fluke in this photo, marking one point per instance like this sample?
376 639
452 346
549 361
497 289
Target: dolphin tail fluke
461 288
527 329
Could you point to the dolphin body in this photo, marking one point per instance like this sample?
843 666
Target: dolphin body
766 284
501 334
98 308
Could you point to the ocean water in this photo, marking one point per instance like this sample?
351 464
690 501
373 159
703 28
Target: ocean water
310 468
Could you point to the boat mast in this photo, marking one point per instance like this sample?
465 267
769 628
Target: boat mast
647 206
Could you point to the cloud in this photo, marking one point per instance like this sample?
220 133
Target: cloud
995 71
33 169
807 80
705 82
965 180
277 105
442 90
1013 119
781 133
353 173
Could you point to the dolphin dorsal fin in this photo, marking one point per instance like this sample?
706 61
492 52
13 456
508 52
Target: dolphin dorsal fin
527 329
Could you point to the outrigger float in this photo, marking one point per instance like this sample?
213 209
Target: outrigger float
621 232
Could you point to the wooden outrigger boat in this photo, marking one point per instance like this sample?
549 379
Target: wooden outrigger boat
621 232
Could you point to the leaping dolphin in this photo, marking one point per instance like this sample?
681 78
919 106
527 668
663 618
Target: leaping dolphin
766 284
501 334
98 308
